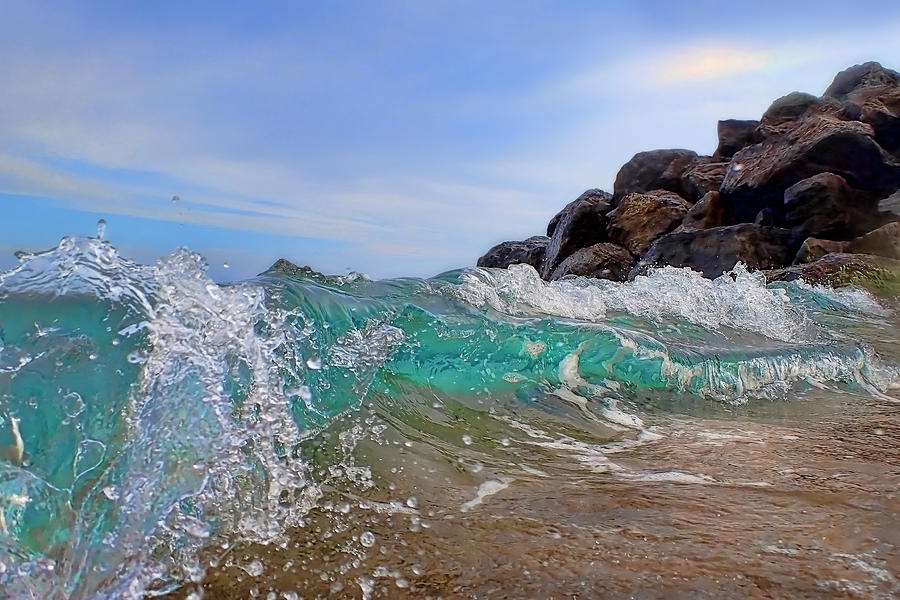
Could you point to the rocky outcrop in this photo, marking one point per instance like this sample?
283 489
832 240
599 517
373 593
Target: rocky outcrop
716 250
825 206
641 218
875 92
653 170
580 224
530 252
884 241
734 134
604 261
815 178
878 274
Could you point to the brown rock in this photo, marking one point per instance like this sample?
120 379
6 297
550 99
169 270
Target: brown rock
705 213
653 170
884 241
716 250
814 248
530 251
875 92
603 261
701 177
641 218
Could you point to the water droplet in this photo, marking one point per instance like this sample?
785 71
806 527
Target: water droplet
367 539
111 493
136 357
314 363
255 568
225 265
101 228
412 502
343 507
175 199
505 441
467 439
737 167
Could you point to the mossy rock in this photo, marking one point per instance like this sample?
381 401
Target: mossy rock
877 274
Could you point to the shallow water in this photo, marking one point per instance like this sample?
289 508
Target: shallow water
479 434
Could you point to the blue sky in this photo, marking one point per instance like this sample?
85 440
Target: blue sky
395 138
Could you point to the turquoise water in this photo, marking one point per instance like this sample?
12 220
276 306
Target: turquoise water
150 414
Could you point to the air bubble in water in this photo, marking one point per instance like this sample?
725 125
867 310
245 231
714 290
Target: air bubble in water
467 439
101 228
412 502
111 493
314 363
255 568
367 539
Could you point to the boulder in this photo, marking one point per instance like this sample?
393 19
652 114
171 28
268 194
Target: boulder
877 274
596 196
789 111
641 218
884 241
603 261
758 175
656 169
889 208
875 92
716 250
530 251
813 249
704 175
580 224
705 213
734 134
825 206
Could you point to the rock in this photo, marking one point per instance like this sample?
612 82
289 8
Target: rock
884 241
765 217
758 175
877 274
890 207
813 249
788 111
705 213
716 250
875 92
653 170
701 177
641 218
603 261
530 251
734 134
825 206
595 196
581 224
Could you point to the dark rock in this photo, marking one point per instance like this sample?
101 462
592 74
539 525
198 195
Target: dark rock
596 196
734 134
875 92
641 218
603 261
703 176
825 206
758 175
581 224
705 213
884 241
765 217
788 111
878 274
530 252
653 170
813 249
869 74
716 250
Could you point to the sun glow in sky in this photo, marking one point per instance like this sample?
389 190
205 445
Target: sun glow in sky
395 138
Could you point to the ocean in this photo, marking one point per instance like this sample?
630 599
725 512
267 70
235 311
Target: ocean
478 434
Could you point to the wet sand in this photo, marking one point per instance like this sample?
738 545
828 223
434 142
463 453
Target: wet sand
716 508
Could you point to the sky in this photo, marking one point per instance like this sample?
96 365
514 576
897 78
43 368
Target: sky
393 138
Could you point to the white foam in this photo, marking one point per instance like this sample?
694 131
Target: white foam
487 488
